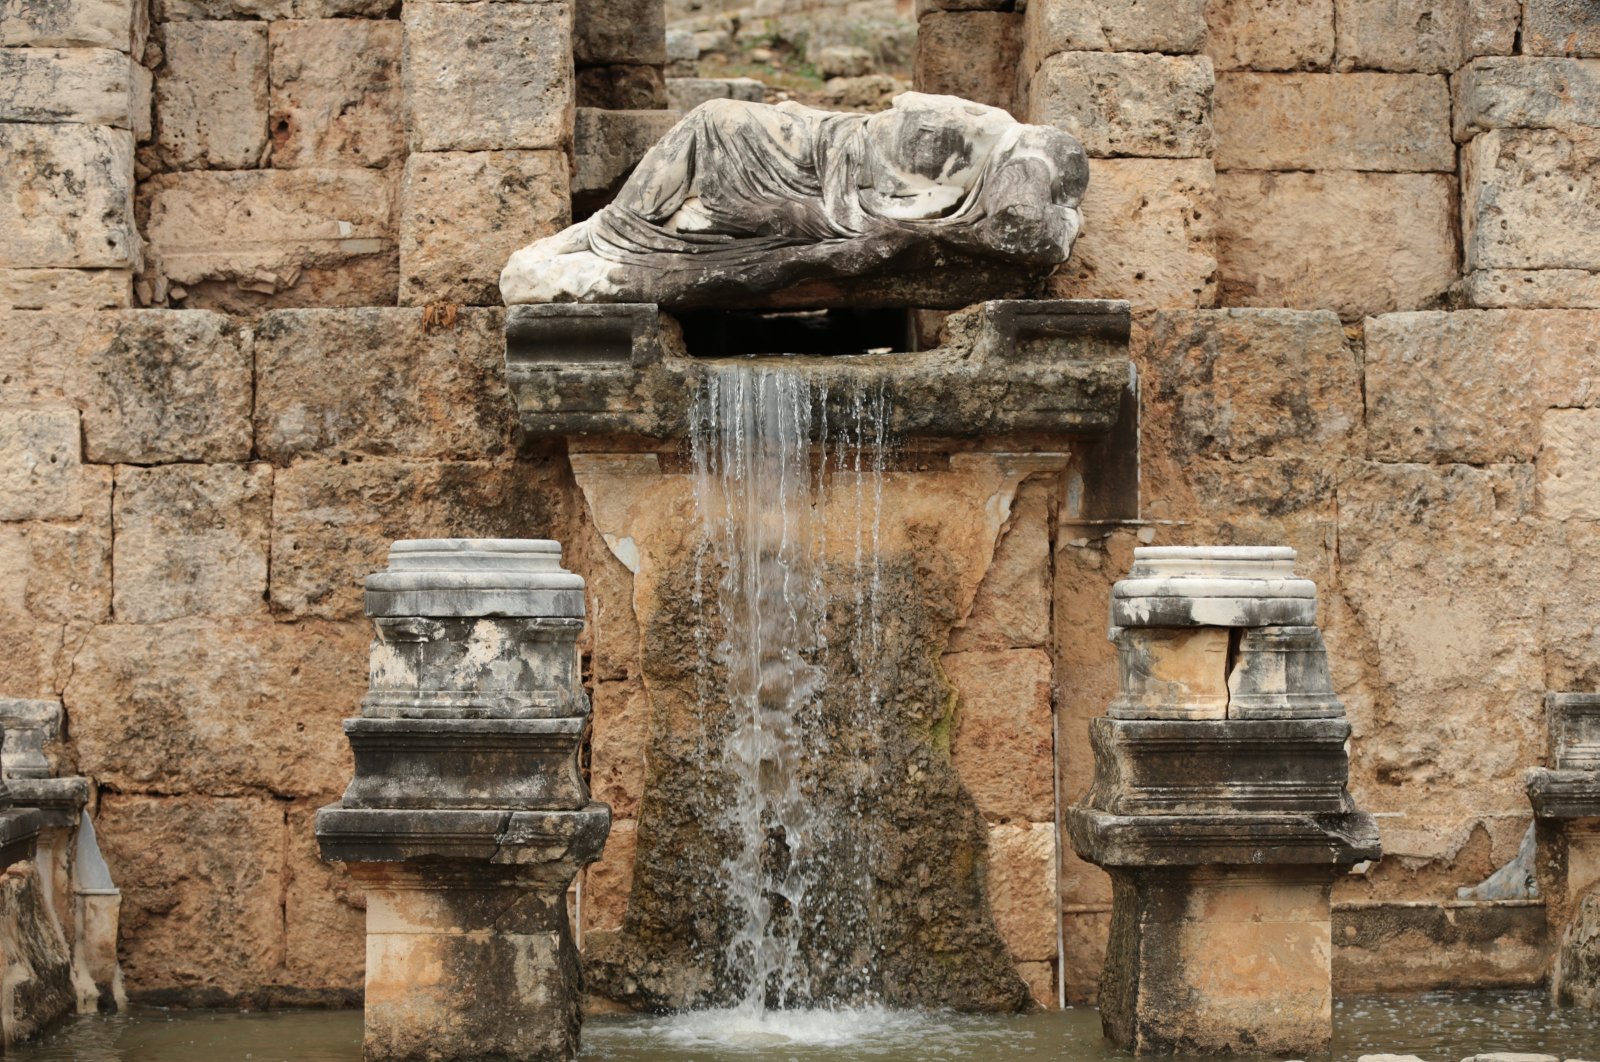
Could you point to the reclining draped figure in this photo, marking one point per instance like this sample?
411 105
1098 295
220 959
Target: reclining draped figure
748 198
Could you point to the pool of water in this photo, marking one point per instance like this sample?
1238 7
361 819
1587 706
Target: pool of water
1439 1027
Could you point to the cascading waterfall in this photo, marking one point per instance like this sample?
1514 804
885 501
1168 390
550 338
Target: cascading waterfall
791 510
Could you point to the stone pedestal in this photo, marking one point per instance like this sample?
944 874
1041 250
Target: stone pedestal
1219 807
1566 810
468 816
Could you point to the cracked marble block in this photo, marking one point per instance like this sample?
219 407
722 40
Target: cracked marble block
468 816
1219 806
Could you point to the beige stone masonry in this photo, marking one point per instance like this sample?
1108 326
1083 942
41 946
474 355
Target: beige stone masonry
1127 103
1423 36
335 93
1310 240
93 86
191 540
75 24
1022 888
1269 34
1149 235
1526 93
61 571
1176 27
1569 476
1560 27
211 96
48 289
1012 606
1537 289
488 76
41 464
1389 122
1527 199
171 11
286 236
1474 386
971 54
68 198
619 31
1002 744
462 214
621 733
324 917
608 881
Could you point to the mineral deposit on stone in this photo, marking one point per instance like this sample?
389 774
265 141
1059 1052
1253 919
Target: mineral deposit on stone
744 198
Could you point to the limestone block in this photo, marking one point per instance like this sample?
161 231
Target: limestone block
324 914
191 540
1111 26
59 572
1269 34
1022 888
973 55
607 145
40 354
1434 563
1519 205
41 464
68 196
65 289
1149 235
624 87
333 522
246 239
335 93
1147 105
1423 36
40 656
1041 979
89 85
1387 122
1569 478
1243 384
1084 948
1560 27
1473 386
211 95
215 707
1012 606
166 386
379 381
1308 240
202 892
617 743
1526 93
1532 288
1003 744
462 214
608 881
687 93
619 31
488 76
74 24
1171 674
169 11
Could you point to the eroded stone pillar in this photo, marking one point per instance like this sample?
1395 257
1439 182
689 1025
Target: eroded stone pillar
468 815
1219 806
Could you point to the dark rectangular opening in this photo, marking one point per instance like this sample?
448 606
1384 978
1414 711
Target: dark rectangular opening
737 333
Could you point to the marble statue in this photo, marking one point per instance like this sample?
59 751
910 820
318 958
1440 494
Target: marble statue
742 198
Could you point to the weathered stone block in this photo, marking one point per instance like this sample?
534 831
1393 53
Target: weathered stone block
1309 240
1022 888
215 707
1147 105
488 76
621 733
1526 93
324 916
1390 122
89 85
1170 674
188 868
1534 289
622 87
687 93
243 240
1269 34
1474 386
1424 36
211 95
608 881
335 93
74 24
1012 606
463 213
68 196
972 54
1149 235
333 522
1249 383
1110 26
41 464
1560 27
379 381
1520 208
607 145
168 11
1003 744
619 31
65 289
1569 478
59 572
191 540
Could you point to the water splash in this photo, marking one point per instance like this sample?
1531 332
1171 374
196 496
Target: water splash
775 476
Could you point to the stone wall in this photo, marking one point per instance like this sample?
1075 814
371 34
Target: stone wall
1360 239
